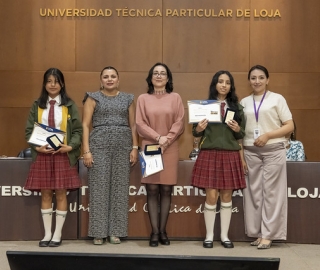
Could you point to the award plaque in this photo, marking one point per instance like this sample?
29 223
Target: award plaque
152 149
54 142
229 115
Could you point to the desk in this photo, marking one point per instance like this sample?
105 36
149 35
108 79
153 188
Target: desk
21 217
186 218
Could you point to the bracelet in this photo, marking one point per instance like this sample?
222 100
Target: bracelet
135 147
158 139
87 152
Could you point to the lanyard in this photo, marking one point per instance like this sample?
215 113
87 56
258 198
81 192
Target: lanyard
256 112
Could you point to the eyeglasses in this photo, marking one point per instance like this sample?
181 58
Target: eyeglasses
156 74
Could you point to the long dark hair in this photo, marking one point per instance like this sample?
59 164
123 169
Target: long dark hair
169 85
58 75
232 98
262 68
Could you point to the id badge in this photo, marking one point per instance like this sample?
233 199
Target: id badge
256 133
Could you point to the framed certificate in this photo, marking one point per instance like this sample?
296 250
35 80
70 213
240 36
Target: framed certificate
41 132
204 109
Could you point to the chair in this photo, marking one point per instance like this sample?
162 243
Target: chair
26 153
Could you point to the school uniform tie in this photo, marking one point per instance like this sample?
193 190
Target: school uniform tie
51 114
223 104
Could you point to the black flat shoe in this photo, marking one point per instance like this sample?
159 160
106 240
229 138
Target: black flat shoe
44 243
227 244
55 244
207 244
164 239
154 239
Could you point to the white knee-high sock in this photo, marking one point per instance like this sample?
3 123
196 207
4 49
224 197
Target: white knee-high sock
225 218
209 218
60 218
47 222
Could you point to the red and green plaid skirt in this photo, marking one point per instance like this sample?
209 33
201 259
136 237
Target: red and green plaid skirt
52 172
218 169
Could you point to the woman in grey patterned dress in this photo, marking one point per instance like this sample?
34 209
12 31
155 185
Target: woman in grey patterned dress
108 152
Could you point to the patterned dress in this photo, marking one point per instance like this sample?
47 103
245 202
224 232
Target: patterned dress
110 143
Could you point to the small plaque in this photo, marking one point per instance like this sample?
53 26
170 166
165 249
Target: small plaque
54 142
229 115
152 149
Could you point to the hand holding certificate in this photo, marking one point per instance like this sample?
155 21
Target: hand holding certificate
204 109
41 132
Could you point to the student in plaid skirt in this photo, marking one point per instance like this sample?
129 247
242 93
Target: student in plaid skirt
219 166
54 172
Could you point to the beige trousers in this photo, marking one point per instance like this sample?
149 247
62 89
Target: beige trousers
265 198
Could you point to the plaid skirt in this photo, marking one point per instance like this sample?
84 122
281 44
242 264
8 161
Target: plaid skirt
218 169
52 172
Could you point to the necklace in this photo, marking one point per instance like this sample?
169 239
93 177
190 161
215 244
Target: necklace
110 95
162 92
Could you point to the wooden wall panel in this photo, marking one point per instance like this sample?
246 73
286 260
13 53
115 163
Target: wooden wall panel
81 82
288 44
194 48
308 131
299 89
13 122
19 89
27 87
127 43
193 44
32 42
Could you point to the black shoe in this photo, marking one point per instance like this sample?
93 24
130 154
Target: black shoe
227 244
164 239
44 243
154 239
55 244
207 244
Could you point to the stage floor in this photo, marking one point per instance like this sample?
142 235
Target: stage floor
292 256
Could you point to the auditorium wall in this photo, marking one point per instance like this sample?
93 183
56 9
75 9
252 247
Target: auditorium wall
195 38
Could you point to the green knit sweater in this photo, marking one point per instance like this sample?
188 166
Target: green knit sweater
220 136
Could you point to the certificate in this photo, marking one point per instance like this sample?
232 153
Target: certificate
150 164
204 109
41 132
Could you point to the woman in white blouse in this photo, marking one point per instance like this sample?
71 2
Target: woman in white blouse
268 120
